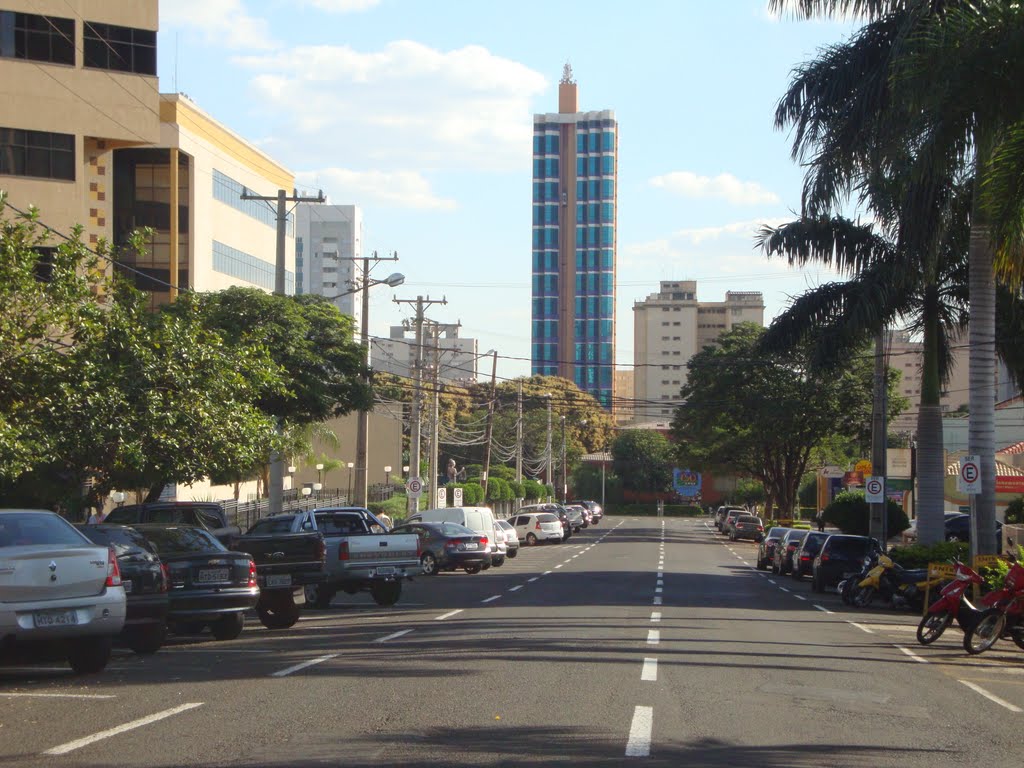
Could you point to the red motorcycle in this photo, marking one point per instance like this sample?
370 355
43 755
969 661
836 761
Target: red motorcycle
1004 616
942 612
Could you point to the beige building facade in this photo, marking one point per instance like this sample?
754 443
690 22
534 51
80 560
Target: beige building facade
670 327
906 355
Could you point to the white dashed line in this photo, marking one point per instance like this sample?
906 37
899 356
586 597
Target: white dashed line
71 746
649 673
448 615
861 627
559 566
798 597
912 655
490 599
823 609
57 695
784 589
657 600
546 573
319 660
530 581
653 637
771 581
657 590
639 744
655 616
991 697
515 588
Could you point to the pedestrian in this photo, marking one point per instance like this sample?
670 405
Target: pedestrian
97 516
821 520
385 520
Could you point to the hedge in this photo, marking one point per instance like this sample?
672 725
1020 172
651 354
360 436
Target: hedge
850 513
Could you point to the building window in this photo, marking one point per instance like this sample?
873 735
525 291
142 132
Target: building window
229 191
37 38
121 49
241 265
37 153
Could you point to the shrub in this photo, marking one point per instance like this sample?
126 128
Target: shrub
1015 511
472 494
498 490
533 490
850 513
919 555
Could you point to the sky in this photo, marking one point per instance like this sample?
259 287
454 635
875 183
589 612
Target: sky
421 113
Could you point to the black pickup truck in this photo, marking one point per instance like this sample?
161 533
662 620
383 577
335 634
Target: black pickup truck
288 550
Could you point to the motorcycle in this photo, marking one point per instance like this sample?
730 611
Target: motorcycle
897 585
848 585
1004 616
952 600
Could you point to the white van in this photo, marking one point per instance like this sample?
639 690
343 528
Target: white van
480 520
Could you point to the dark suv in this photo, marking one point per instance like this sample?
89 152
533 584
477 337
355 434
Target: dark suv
803 556
766 548
783 558
840 554
207 515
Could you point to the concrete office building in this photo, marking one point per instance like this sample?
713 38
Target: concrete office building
328 240
670 327
575 167
397 354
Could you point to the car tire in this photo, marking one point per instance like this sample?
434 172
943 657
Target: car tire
319 595
775 568
147 639
473 569
429 564
513 552
229 626
796 574
89 655
531 540
386 593
497 562
485 566
279 614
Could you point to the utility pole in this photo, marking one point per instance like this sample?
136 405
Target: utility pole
490 422
282 198
877 520
565 479
417 399
435 420
519 434
548 479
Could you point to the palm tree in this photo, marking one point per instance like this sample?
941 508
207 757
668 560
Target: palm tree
944 75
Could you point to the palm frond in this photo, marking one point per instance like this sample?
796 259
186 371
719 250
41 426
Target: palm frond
810 9
833 241
1002 196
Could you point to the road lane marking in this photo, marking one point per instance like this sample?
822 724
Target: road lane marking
991 697
821 608
319 660
58 695
653 637
639 744
515 588
861 627
392 636
649 673
746 563
784 589
71 746
657 600
530 581
912 655
490 599
771 581
798 597
655 616
657 590
559 566
546 573
448 615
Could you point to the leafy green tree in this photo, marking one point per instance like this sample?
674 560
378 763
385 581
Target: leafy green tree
749 492
643 459
850 513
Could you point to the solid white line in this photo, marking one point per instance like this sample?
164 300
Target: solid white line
861 627
515 588
448 615
653 637
991 697
319 660
798 597
649 673
820 608
657 600
912 655
63 749
490 599
655 616
392 636
530 581
57 695
639 744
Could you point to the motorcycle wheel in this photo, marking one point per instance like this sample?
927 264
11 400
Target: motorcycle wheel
863 596
932 626
985 633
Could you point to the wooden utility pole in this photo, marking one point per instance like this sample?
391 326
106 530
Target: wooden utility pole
490 422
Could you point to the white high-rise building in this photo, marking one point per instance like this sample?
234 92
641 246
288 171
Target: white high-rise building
397 354
328 240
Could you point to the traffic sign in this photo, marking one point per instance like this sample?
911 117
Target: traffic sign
832 472
457 497
414 487
970 475
442 497
874 490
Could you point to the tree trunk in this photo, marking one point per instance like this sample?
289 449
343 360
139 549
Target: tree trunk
931 472
154 492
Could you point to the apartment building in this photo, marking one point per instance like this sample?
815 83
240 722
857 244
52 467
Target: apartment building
456 355
328 241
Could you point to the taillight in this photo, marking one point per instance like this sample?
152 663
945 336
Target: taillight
252 573
805 557
113 569
166 573
537 526
484 541
343 550
824 558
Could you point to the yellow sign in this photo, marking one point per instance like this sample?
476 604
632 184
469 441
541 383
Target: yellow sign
863 466
941 570
986 561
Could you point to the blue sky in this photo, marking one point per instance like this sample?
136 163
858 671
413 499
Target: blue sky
421 113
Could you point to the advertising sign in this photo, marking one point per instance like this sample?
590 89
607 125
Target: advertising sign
686 482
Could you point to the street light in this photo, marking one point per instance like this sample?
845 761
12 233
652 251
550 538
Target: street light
318 487
387 475
350 465
118 497
320 472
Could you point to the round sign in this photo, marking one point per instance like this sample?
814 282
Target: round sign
414 486
873 487
969 472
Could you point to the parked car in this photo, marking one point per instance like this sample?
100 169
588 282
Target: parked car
731 516
536 527
56 586
747 527
576 516
448 547
208 515
511 538
584 513
596 512
766 547
783 559
145 580
839 555
958 528
477 519
803 556
211 586
558 511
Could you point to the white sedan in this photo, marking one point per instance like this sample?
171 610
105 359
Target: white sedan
55 584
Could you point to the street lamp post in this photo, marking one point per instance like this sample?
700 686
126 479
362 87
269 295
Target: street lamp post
320 473
306 491
350 466
387 475
318 487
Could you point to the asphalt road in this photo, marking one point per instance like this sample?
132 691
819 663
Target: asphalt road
638 641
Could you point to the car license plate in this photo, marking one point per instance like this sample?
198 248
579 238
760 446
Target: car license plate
471 545
280 580
127 586
211 575
55 618
386 571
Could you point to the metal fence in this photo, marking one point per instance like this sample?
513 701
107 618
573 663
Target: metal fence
245 513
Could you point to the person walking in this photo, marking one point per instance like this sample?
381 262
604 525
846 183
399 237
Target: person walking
383 517
821 520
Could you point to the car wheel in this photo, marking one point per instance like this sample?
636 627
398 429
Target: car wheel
816 584
147 638
472 569
429 563
497 562
797 574
761 565
531 540
513 552
386 593
319 595
229 626
279 614
89 655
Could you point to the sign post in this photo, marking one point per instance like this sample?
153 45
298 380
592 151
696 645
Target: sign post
969 482
442 497
457 497
874 490
413 491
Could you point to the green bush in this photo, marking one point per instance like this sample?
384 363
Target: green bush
850 513
472 494
1015 511
533 490
499 490
919 555
395 507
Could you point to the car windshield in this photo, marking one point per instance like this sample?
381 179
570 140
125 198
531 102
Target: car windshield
750 519
505 526
777 533
34 528
546 517
847 547
178 541
125 541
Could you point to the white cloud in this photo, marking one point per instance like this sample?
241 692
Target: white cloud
342 6
404 105
405 189
725 186
223 22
